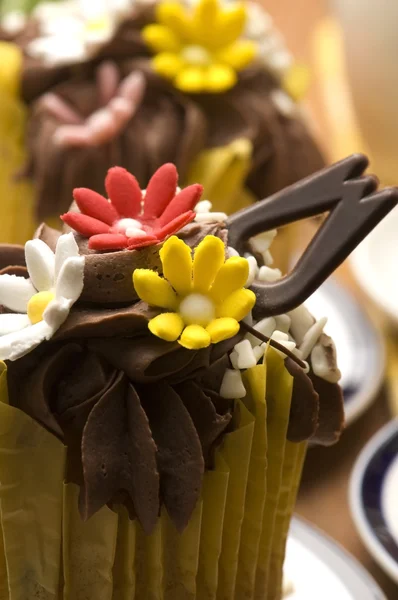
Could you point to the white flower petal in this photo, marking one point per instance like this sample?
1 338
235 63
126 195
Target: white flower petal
40 261
11 323
69 284
15 345
15 292
66 248
57 312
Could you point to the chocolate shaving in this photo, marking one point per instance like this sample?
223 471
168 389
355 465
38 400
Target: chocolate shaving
354 211
331 411
304 408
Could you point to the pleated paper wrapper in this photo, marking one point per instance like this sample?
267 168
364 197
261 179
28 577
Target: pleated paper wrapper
17 221
223 172
232 549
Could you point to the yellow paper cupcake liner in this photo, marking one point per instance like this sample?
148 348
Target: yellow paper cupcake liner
255 383
17 221
223 171
232 548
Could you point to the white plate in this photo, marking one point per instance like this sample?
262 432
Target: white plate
374 497
321 570
374 264
360 348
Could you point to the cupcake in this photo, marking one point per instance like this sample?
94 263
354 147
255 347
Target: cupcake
206 85
157 399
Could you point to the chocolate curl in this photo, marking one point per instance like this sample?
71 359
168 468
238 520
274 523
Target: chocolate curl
354 211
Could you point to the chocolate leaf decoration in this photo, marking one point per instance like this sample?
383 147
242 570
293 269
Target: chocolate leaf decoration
331 411
209 425
179 456
354 211
118 453
304 408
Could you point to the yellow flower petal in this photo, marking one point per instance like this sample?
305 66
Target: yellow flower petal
190 79
38 304
231 23
177 264
222 329
160 38
167 64
174 16
208 259
219 78
296 81
153 289
231 277
237 305
167 326
204 22
195 337
238 55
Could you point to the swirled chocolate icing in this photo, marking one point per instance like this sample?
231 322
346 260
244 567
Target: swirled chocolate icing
140 416
168 126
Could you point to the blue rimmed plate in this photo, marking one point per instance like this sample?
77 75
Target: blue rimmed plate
318 568
360 348
374 497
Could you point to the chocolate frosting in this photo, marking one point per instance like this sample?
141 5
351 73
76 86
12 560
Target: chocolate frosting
169 126
107 275
127 425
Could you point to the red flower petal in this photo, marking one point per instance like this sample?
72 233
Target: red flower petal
124 191
175 225
94 205
160 191
84 224
137 245
137 240
183 202
108 241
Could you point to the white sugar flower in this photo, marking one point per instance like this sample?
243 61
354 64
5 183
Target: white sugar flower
41 303
72 30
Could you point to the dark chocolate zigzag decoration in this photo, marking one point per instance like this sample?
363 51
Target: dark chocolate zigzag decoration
355 209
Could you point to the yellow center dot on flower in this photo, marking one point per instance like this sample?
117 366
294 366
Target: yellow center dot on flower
196 55
37 305
197 309
98 24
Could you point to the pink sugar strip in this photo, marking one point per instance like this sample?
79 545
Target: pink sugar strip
60 109
108 79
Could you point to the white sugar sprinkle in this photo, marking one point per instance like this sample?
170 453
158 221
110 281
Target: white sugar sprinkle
269 275
265 326
311 337
245 359
232 385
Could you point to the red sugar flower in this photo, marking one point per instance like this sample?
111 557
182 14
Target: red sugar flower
130 218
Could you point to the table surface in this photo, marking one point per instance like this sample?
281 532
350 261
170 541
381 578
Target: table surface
323 497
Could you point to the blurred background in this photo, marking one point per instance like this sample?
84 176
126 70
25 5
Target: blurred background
350 47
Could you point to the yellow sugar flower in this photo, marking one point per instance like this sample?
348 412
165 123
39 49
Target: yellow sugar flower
204 297
200 48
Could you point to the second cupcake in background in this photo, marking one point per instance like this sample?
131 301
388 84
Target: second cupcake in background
207 85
